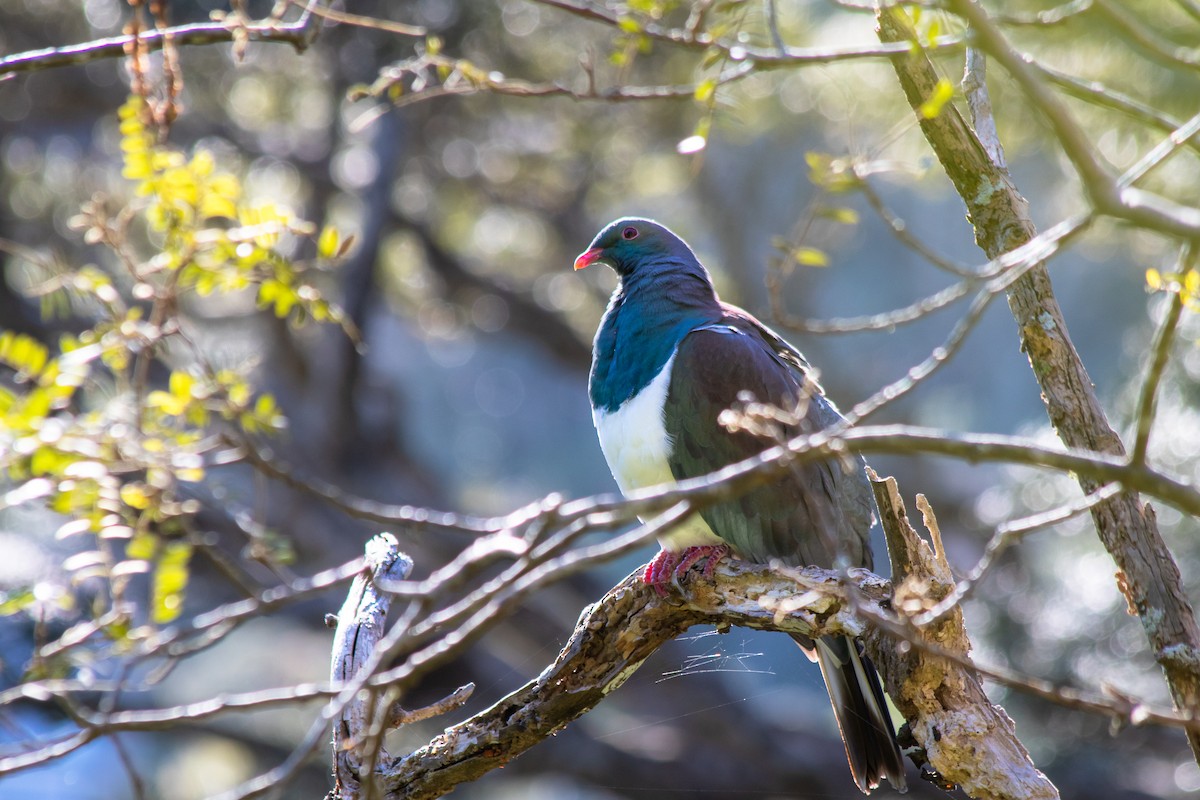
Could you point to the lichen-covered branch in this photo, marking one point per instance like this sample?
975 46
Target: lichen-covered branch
1001 219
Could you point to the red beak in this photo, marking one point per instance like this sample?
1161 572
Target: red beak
588 258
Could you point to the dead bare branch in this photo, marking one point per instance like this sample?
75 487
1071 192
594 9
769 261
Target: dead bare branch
967 740
359 628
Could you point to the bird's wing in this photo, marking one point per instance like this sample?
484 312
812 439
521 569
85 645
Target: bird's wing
737 318
815 512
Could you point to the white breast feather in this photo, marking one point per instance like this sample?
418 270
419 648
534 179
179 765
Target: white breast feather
636 445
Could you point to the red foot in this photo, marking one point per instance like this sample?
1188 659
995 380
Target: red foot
669 567
660 570
713 552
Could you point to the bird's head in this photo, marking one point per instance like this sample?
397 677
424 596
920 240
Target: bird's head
631 243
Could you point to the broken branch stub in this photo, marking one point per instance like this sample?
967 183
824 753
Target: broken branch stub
966 739
360 625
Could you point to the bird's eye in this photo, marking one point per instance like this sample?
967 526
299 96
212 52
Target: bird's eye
630 233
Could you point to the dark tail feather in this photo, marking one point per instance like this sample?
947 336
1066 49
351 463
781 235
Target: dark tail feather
861 713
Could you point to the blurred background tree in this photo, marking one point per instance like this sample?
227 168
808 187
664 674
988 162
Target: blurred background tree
470 161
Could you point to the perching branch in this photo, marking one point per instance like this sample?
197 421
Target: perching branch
613 637
962 735
966 736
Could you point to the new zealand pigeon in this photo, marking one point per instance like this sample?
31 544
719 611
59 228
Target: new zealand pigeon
668 358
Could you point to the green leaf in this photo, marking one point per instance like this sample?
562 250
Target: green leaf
135 495
327 242
141 547
844 216
48 461
13 602
934 104
706 90
818 166
284 303
181 384
23 353
810 257
171 575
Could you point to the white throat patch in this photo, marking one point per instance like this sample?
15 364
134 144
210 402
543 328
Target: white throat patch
634 438
636 445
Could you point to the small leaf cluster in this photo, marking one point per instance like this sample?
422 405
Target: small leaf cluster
1186 284
832 176
211 235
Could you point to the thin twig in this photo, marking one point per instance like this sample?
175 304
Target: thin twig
1104 96
1154 373
1107 194
1096 176
900 230
739 51
198 33
1012 264
1190 7
1040 20
136 786
206 628
1022 262
398 716
1005 536
873 322
1177 139
360 21
1148 40
413 517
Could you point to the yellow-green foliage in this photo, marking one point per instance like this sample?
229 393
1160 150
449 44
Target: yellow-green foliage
1186 284
83 432
217 240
